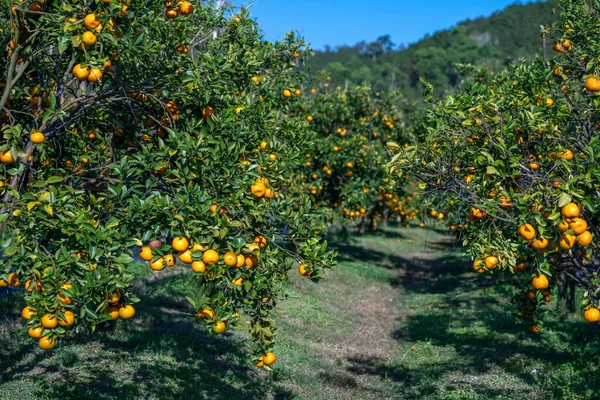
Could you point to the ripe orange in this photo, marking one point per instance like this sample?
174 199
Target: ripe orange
88 38
238 282
13 279
95 75
186 257
28 312
527 231
535 328
258 189
491 262
241 261
567 241
180 244
261 241
198 266
46 343
563 225
287 93
36 332
186 8
584 239
169 260
592 84
251 261
206 314
158 265
530 294
49 321
219 327
6 157
304 270
578 225
540 282
269 358
126 312
592 315
477 213
146 253
198 246
68 319
37 137
230 259
171 13
571 210
91 21
540 243
112 312
210 257
114 297
81 73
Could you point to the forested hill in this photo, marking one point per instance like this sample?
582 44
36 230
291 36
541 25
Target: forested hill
492 41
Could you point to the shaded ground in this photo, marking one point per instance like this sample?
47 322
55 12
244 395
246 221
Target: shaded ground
401 318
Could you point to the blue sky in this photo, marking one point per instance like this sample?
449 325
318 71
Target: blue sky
338 22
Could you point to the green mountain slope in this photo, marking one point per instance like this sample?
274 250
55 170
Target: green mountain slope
492 42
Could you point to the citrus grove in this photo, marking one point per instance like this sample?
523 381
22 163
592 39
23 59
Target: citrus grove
511 162
158 126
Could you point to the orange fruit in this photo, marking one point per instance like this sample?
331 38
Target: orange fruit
68 319
158 265
13 279
261 241
530 294
6 157
230 259
49 321
578 225
238 282
198 266
304 270
563 225
46 343
477 213
477 268
36 332
539 243
146 253
28 312
126 312
491 262
206 313
186 8
112 312
81 73
180 244
171 13
536 328
584 239
198 246
219 327
91 21
540 282
88 38
287 93
571 210
567 241
241 261
258 189
269 358
251 261
592 84
37 137
114 297
186 257
95 75
169 260
592 315
527 231
210 257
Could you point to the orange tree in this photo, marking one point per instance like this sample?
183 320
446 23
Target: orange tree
345 166
513 160
153 124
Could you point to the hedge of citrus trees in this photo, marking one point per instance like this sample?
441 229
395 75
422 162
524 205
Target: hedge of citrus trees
512 161
345 167
158 125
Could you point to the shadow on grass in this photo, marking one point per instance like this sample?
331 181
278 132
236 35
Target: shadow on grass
163 353
464 331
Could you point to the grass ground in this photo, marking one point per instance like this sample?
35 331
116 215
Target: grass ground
402 317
